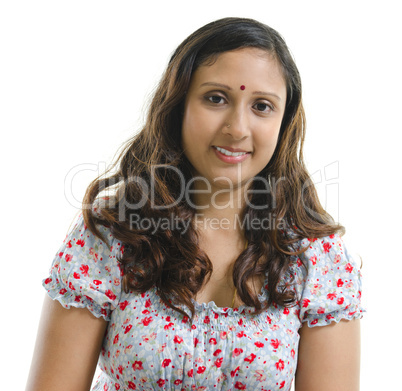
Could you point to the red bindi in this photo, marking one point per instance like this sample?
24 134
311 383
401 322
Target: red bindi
242 87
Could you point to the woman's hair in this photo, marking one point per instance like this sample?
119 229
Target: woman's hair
152 171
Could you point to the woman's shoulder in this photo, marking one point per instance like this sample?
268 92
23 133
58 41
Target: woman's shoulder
85 271
328 281
327 251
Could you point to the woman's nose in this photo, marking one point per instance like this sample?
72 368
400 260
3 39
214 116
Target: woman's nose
236 125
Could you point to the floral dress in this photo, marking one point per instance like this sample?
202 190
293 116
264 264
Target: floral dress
148 346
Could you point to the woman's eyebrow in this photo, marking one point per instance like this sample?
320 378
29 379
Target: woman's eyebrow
266 93
214 84
211 83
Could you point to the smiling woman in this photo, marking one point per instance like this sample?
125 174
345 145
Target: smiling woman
220 285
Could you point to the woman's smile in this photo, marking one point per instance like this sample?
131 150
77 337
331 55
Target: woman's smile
228 155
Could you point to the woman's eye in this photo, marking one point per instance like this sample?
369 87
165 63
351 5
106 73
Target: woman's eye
215 99
263 107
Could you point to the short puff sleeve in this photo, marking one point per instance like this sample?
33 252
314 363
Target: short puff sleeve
330 282
85 272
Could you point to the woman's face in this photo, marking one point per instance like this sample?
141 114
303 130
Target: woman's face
232 116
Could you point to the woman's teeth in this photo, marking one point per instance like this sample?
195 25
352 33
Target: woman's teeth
228 153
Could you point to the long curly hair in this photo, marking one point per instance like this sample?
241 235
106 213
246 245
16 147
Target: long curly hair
145 186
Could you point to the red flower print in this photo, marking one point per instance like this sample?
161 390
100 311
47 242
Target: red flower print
237 352
77 299
76 275
161 382
177 339
259 344
166 362
306 303
148 303
63 291
240 386
280 365
68 257
315 321
110 295
339 283
128 328
71 286
146 321
233 373
331 296
217 352
286 311
84 270
137 365
212 341
131 386
80 242
190 373
69 245
292 353
349 268
48 280
116 339
207 320
321 310
282 385
313 259
117 386
275 343
177 382
196 342
250 358
168 326
340 300
241 334
326 246
218 362
97 282
120 369
185 319
201 369
123 305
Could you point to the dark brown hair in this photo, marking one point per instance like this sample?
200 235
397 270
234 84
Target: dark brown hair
170 259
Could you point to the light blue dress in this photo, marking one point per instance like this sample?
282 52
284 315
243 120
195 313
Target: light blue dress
151 347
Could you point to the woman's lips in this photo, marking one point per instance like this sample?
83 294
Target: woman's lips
231 155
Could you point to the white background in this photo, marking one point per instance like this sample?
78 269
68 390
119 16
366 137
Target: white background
74 78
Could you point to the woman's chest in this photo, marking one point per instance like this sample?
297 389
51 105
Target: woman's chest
149 346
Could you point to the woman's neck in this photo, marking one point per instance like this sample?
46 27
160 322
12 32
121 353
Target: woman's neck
219 209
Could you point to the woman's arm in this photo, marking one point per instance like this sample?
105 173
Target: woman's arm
67 349
329 357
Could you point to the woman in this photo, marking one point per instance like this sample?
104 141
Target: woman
209 262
